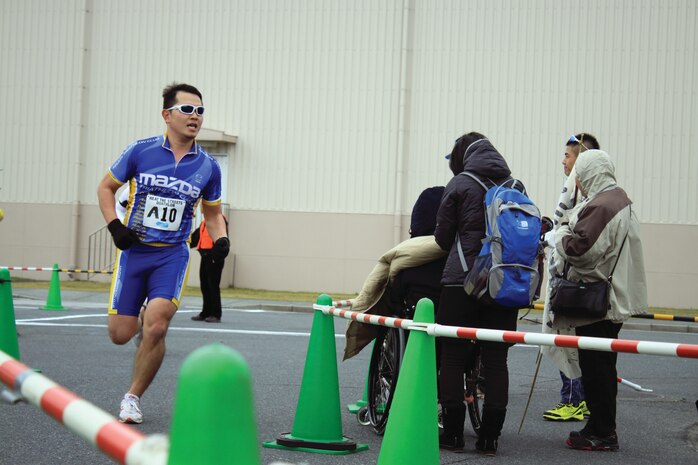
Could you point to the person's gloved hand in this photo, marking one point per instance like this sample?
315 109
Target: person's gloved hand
220 249
124 237
550 239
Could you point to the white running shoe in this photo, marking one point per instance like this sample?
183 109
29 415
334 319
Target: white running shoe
131 409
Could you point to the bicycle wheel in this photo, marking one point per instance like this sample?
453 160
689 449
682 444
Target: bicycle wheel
382 376
474 391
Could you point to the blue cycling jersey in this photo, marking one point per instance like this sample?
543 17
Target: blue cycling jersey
164 194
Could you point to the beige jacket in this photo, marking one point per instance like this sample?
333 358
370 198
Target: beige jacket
410 253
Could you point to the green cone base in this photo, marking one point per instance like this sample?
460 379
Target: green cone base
288 442
354 408
52 307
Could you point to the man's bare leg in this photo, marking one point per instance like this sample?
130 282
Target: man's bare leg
122 328
151 352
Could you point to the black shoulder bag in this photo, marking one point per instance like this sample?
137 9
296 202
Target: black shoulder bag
583 300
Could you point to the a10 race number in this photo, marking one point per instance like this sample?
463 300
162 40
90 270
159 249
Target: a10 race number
163 213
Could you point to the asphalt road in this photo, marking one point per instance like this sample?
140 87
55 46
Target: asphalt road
71 348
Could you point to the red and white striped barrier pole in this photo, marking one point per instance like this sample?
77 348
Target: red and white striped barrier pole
520 337
62 270
343 303
379 320
122 443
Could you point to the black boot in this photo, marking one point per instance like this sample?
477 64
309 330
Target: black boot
492 423
453 418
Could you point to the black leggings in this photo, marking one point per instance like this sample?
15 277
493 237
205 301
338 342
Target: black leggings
458 309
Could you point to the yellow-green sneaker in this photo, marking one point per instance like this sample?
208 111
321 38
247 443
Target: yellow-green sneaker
564 412
554 412
557 407
583 408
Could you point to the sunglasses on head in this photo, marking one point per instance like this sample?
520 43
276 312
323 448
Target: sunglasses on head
188 109
573 140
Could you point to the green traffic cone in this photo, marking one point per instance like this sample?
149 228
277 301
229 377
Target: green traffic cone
53 301
354 408
413 415
213 419
317 426
8 327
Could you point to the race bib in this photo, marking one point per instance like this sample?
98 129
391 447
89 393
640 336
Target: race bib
162 213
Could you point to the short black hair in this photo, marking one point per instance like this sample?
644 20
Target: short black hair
587 141
169 93
456 162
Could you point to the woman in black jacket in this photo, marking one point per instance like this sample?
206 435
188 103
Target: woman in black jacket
461 217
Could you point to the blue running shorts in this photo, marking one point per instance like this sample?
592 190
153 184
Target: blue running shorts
147 271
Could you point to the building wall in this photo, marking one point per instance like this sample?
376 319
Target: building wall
317 252
343 112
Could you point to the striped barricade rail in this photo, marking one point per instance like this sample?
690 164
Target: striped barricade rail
343 303
61 270
379 320
665 317
122 443
651 316
520 337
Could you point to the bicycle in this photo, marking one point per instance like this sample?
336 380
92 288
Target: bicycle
384 370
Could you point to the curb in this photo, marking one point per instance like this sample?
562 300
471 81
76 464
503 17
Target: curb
300 307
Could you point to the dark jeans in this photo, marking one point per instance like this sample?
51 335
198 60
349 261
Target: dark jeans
600 379
456 308
210 278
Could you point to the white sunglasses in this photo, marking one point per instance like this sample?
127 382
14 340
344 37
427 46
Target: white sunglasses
573 140
188 109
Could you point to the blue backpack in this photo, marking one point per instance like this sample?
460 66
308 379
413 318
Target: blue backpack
505 272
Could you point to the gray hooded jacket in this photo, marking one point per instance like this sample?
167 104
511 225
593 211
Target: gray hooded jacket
590 240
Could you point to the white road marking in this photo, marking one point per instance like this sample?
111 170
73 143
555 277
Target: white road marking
175 328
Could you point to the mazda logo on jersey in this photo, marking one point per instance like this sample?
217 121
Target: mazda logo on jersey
170 182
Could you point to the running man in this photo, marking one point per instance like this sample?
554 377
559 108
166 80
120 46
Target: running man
168 175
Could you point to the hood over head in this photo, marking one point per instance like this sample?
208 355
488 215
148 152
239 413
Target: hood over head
595 171
483 159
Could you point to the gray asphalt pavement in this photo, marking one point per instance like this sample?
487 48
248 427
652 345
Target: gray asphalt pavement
71 347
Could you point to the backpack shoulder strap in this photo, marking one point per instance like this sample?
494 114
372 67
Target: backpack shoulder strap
468 173
461 256
514 182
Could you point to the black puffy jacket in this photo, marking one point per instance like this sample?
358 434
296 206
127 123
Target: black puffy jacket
462 209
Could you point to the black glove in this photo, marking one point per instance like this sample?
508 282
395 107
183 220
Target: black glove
220 249
124 237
